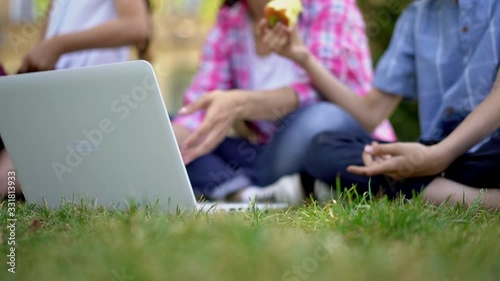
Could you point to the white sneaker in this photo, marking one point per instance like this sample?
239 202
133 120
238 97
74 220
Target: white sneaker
324 192
288 189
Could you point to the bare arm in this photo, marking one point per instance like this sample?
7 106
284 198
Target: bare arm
131 27
224 108
370 110
482 122
419 160
268 105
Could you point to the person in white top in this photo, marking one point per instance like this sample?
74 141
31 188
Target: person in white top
84 33
91 32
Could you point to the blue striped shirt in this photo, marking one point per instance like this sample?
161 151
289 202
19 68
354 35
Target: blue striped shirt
445 54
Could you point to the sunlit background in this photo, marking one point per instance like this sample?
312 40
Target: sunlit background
179 29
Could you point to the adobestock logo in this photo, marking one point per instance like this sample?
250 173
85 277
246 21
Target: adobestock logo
121 108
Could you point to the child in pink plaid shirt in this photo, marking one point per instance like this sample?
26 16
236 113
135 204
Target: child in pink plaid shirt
224 91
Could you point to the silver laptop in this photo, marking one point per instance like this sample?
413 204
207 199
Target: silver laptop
98 133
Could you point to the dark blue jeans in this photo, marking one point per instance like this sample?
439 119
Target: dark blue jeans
331 152
237 163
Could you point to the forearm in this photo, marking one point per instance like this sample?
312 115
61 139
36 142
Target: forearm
481 123
268 105
365 110
118 32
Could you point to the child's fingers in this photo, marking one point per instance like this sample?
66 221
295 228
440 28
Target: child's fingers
367 159
282 42
262 27
373 170
389 149
274 43
198 104
277 28
266 39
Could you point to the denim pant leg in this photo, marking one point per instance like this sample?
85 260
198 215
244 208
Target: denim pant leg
330 153
478 169
223 172
287 151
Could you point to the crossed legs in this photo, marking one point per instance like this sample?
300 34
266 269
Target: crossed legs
472 176
442 190
238 164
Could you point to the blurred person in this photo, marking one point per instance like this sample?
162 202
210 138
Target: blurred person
240 80
5 163
458 157
86 33
92 32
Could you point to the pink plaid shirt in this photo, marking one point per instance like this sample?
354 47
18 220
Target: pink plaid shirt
333 30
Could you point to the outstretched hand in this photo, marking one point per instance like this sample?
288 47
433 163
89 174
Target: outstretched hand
222 110
283 40
400 160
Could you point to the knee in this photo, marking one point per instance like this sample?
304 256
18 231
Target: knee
323 142
321 150
321 156
325 117
331 151
443 190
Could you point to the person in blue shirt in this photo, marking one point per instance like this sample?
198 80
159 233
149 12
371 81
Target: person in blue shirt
445 54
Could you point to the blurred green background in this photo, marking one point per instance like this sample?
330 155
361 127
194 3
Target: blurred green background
181 25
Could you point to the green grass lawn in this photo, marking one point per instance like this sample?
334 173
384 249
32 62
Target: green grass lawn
381 240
